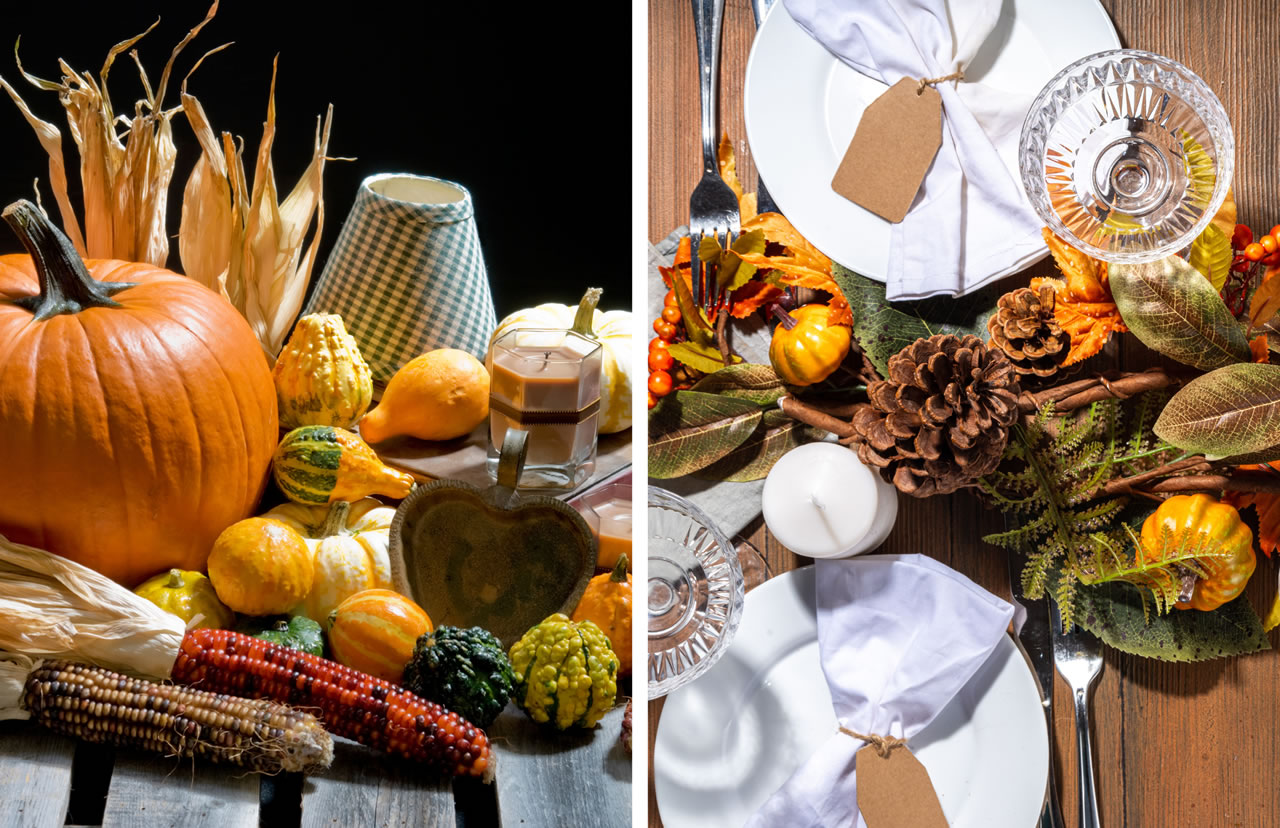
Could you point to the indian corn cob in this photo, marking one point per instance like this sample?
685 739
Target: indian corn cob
99 705
352 704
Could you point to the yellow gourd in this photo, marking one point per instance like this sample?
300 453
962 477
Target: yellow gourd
320 377
260 567
440 395
613 330
1220 528
187 594
348 543
805 349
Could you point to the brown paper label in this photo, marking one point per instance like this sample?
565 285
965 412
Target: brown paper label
891 150
895 791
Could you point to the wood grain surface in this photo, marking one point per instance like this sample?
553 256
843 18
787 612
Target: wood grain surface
35 776
1176 744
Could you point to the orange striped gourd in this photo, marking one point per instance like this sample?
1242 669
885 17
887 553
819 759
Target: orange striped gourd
375 630
351 704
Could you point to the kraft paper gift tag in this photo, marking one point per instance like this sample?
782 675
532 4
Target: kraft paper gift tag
899 636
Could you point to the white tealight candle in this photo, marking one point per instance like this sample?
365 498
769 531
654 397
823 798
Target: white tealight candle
820 501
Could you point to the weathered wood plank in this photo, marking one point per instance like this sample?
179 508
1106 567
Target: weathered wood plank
154 790
366 788
35 775
566 778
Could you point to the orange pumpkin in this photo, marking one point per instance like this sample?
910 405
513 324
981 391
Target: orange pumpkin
607 602
374 631
137 411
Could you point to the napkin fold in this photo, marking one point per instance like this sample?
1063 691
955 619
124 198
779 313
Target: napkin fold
899 636
971 222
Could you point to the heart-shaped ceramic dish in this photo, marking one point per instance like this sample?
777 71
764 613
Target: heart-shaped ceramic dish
491 558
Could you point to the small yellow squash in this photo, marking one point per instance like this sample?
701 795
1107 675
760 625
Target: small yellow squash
188 595
805 349
260 567
348 542
320 377
1218 527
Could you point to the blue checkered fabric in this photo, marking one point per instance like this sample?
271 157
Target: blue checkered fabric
407 278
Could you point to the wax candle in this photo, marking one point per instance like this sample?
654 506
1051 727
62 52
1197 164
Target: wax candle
607 510
820 501
548 384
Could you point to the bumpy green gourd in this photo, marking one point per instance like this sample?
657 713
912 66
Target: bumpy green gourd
466 670
566 673
298 632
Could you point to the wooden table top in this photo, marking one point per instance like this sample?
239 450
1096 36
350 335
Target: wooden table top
1176 744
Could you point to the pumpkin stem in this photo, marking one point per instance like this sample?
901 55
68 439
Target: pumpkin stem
176 581
785 319
619 575
65 283
336 519
586 312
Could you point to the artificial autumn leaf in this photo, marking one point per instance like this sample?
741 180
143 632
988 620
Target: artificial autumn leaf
1225 218
1258 347
752 296
780 231
1211 254
1085 276
682 261
700 356
1267 507
1266 299
1090 324
729 165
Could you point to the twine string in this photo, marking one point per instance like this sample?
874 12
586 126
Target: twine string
883 744
957 75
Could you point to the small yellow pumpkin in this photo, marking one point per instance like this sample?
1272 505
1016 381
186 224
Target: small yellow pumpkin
260 567
348 543
805 349
320 377
607 602
612 328
187 594
1220 528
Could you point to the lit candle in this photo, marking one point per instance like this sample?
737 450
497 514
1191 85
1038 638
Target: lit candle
820 501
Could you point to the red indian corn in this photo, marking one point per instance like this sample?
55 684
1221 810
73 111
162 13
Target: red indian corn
351 704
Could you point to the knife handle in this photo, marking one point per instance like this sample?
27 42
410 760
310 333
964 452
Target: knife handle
1084 748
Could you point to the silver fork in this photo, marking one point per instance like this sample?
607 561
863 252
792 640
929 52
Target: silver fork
1078 657
713 208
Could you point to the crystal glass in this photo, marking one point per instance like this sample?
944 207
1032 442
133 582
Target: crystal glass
1126 155
546 382
695 592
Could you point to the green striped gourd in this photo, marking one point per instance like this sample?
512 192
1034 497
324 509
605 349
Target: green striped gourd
320 377
321 464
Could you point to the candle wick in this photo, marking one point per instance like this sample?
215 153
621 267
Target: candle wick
546 361
813 498
826 519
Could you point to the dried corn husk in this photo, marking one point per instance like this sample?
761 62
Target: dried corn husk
51 607
247 245
14 669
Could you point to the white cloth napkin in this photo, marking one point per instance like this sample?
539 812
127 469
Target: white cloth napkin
971 223
899 636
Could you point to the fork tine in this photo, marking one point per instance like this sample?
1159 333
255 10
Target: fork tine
695 268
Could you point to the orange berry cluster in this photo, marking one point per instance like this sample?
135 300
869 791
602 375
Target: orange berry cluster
660 359
1265 249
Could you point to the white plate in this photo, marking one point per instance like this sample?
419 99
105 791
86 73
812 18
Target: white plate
802 106
730 739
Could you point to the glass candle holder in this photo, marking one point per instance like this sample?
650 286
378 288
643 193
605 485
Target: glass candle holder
546 382
607 510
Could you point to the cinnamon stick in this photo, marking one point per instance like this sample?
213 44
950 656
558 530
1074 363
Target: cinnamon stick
809 415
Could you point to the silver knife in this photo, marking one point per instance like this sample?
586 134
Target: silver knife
764 201
1036 638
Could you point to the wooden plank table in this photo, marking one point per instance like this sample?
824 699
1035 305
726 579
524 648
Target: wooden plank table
543 779
1176 744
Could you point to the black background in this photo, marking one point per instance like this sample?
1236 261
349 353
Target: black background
527 105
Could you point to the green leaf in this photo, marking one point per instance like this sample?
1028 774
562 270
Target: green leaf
1174 310
696 326
700 357
1211 255
748 381
776 435
883 330
1231 411
690 430
1114 612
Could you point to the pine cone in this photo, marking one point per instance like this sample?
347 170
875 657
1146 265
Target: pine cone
1024 327
941 419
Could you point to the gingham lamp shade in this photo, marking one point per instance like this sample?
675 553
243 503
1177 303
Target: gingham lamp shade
406 274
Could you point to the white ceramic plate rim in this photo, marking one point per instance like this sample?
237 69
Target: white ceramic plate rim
797 135
718 782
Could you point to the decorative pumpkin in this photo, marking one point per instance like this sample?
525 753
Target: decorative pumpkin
375 631
1219 527
297 633
322 464
612 328
805 349
187 595
320 377
440 395
348 543
607 603
260 567
566 673
466 670
137 404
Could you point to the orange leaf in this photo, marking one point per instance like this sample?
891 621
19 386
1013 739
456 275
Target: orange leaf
1258 347
1267 506
779 231
1266 300
1086 276
752 296
680 264
729 166
1090 324
840 313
